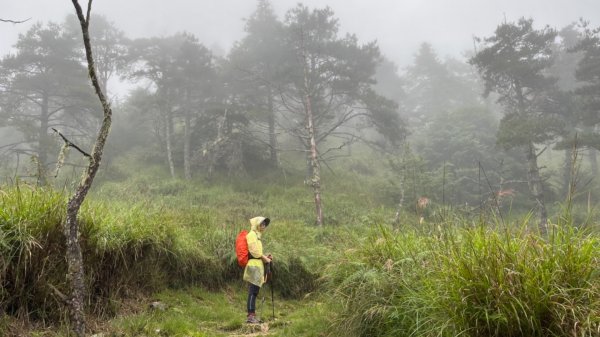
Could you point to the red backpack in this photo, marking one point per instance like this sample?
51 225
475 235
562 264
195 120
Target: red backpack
241 248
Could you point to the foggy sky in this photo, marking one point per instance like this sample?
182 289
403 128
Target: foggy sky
399 26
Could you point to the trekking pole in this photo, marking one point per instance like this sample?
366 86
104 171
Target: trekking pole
272 302
269 279
262 302
267 275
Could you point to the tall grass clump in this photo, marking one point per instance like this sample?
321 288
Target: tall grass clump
496 285
139 247
127 248
300 249
130 246
30 244
470 282
378 282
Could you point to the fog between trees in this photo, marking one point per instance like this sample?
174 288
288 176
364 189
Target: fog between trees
513 122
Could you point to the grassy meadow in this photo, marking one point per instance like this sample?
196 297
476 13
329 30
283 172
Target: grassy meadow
151 239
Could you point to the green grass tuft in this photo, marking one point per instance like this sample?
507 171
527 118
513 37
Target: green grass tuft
470 282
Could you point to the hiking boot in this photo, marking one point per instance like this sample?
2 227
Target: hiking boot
252 319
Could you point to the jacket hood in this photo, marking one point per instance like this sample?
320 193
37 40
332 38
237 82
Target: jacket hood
255 222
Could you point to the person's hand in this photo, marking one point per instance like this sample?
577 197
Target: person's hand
266 259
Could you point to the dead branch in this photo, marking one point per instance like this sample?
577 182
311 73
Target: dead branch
14 21
64 298
70 144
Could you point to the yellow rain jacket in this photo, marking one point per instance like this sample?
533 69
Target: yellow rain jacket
255 269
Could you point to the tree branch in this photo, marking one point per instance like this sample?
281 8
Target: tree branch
14 21
70 144
542 151
11 145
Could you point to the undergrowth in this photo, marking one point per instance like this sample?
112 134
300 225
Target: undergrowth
151 234
138 244
470 281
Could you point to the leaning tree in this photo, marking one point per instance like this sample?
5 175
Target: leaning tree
74 257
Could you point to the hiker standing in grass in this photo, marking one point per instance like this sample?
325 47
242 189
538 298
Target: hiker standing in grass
254 273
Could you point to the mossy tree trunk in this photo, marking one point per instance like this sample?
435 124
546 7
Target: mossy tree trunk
75 271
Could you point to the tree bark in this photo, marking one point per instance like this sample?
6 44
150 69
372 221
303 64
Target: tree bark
75 270
314 155
536 187
314 161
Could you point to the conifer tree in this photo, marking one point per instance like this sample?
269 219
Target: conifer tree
512 64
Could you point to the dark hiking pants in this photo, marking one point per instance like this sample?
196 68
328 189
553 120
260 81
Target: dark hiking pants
252 295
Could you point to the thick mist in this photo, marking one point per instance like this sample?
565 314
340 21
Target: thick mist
398 26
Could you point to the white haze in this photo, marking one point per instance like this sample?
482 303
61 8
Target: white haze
399 26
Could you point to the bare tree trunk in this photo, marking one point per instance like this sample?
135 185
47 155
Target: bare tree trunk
314 155
75 271
235 165
592 152
272 137
104 81
400 204
214 150
533 171
43 140
168 140
187 138
314 161
309 168
567 171
593 156
536 186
